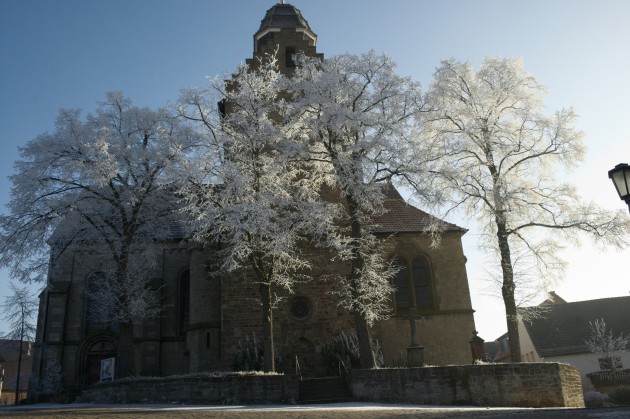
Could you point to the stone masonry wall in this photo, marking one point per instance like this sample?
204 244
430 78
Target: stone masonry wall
207 390
517 385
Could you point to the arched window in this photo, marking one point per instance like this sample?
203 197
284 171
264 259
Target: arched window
413 285
421 283
184 300
401 282
99 304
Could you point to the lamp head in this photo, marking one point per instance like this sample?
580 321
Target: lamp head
620 176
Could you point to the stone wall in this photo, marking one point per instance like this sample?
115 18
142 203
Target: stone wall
207 390
517 385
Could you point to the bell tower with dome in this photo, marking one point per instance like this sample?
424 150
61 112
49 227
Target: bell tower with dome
284 31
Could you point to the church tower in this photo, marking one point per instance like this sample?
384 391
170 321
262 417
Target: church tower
284 29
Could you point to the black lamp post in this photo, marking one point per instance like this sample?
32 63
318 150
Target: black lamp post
620 176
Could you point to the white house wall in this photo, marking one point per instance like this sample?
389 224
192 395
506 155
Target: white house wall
586 363
528 351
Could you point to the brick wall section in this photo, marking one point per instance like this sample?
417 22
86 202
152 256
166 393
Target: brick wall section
517 385
210 390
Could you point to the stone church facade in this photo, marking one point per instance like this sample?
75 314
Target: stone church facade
206 317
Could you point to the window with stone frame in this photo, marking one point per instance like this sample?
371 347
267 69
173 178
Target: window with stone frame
183 300
414 285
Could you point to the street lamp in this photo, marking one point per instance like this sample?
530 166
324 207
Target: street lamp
620 176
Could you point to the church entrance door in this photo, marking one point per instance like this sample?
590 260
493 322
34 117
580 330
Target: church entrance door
98 351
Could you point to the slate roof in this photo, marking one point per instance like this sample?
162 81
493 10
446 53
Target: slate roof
283 16
402 217
564 327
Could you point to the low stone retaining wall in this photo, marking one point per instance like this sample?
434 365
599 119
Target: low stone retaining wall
211 390
518 385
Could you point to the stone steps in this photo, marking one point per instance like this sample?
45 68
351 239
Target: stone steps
324 390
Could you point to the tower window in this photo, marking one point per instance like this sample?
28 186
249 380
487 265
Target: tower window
289 53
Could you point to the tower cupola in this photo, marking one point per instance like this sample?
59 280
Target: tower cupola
284 29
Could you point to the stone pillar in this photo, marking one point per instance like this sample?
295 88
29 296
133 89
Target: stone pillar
477 348
203 333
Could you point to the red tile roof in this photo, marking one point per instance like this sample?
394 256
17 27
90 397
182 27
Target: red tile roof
402 217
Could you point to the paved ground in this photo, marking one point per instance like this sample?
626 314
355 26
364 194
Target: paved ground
330 411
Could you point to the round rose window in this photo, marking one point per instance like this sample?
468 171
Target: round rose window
300 308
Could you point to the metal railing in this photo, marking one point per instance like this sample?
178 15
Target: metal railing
621 377
298 370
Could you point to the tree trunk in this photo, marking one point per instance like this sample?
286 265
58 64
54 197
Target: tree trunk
19 363
264 278
507 290
366 356
269 361
126 353
508 287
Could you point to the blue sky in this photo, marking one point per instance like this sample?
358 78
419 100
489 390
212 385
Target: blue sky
68 53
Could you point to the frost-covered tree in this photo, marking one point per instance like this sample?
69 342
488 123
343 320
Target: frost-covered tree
358 120
105 180
50 383
502 151
262 209
19 310
603 341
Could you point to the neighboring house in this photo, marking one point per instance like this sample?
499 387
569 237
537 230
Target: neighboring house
560 332
498 350
9 353
206 316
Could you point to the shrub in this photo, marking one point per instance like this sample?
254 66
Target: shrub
49 386
249 356
620 395
593 398
342 353
402 361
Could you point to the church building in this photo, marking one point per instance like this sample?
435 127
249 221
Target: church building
206 318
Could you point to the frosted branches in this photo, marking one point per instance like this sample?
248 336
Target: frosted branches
107 180
500 155
603 341
19 310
